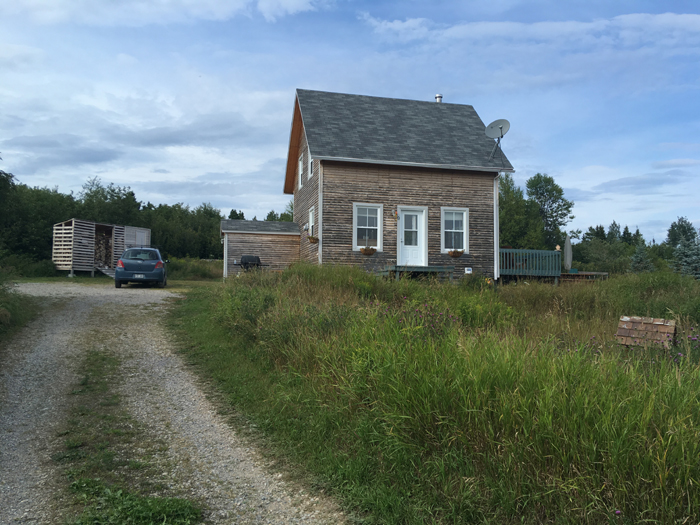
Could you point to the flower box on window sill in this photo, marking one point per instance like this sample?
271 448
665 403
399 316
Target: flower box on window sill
368 250
313 240
455 253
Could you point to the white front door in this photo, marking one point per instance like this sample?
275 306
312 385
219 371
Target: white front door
411 238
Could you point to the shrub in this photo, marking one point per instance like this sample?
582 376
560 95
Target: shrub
484 310
25 266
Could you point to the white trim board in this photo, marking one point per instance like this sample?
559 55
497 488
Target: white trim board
487 169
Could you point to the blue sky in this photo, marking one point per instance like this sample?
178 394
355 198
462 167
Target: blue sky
191 100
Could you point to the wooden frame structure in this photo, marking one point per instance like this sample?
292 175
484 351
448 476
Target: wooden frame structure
86 246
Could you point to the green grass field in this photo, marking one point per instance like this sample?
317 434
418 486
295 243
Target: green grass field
421 402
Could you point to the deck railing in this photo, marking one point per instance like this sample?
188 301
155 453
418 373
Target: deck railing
535 263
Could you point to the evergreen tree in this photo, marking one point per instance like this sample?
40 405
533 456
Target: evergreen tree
236 215
679 230
637 237
613 234
640 261
687 256
595 233
272 216
626 236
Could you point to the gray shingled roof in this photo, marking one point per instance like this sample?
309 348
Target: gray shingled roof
231 225
396 131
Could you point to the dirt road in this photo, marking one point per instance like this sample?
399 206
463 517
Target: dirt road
204 459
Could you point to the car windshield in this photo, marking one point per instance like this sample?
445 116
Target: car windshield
142 255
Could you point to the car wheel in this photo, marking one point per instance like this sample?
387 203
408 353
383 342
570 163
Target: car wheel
117 283
161 284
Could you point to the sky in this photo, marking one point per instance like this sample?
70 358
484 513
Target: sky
191 100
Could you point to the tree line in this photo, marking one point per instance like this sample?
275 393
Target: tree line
536 219
532 219
29 213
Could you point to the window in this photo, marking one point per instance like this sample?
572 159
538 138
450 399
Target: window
454 229
312 223
301 172
311 165
367 220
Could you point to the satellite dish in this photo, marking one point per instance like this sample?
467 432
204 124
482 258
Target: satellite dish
496 130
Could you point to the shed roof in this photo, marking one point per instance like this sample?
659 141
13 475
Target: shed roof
269 227
359 128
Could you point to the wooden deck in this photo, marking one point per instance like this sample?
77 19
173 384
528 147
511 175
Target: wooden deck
529 263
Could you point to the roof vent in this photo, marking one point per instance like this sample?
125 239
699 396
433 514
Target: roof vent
438 98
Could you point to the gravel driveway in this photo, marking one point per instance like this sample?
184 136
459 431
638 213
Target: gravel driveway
206 460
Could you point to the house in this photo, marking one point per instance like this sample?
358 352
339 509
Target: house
411 179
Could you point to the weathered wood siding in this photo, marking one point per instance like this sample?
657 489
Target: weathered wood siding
276 251
304 199
345 183
74 245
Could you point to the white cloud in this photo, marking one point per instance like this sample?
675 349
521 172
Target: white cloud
402 31
143 12
273 9
675 163
625 31
14 56
639 49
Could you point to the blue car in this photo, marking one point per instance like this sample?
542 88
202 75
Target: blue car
141 265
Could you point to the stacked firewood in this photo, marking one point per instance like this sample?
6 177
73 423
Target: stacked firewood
103 250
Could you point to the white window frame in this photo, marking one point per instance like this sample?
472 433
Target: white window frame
465 238
380 224
312 222
311 166
301 171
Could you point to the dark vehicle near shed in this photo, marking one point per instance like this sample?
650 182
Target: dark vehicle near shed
141 265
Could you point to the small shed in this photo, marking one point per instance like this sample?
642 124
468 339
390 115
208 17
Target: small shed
276 243
85 245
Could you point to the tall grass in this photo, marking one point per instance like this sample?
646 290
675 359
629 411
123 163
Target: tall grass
424 402
15 310
188 268
26 266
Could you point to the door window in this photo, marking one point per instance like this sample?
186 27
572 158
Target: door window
410 230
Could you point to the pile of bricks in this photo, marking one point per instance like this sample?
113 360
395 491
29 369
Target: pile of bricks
639 331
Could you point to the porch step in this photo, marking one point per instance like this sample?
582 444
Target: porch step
107 271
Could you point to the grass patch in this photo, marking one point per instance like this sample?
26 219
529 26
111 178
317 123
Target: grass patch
111 482
421 402
190 269
15 309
